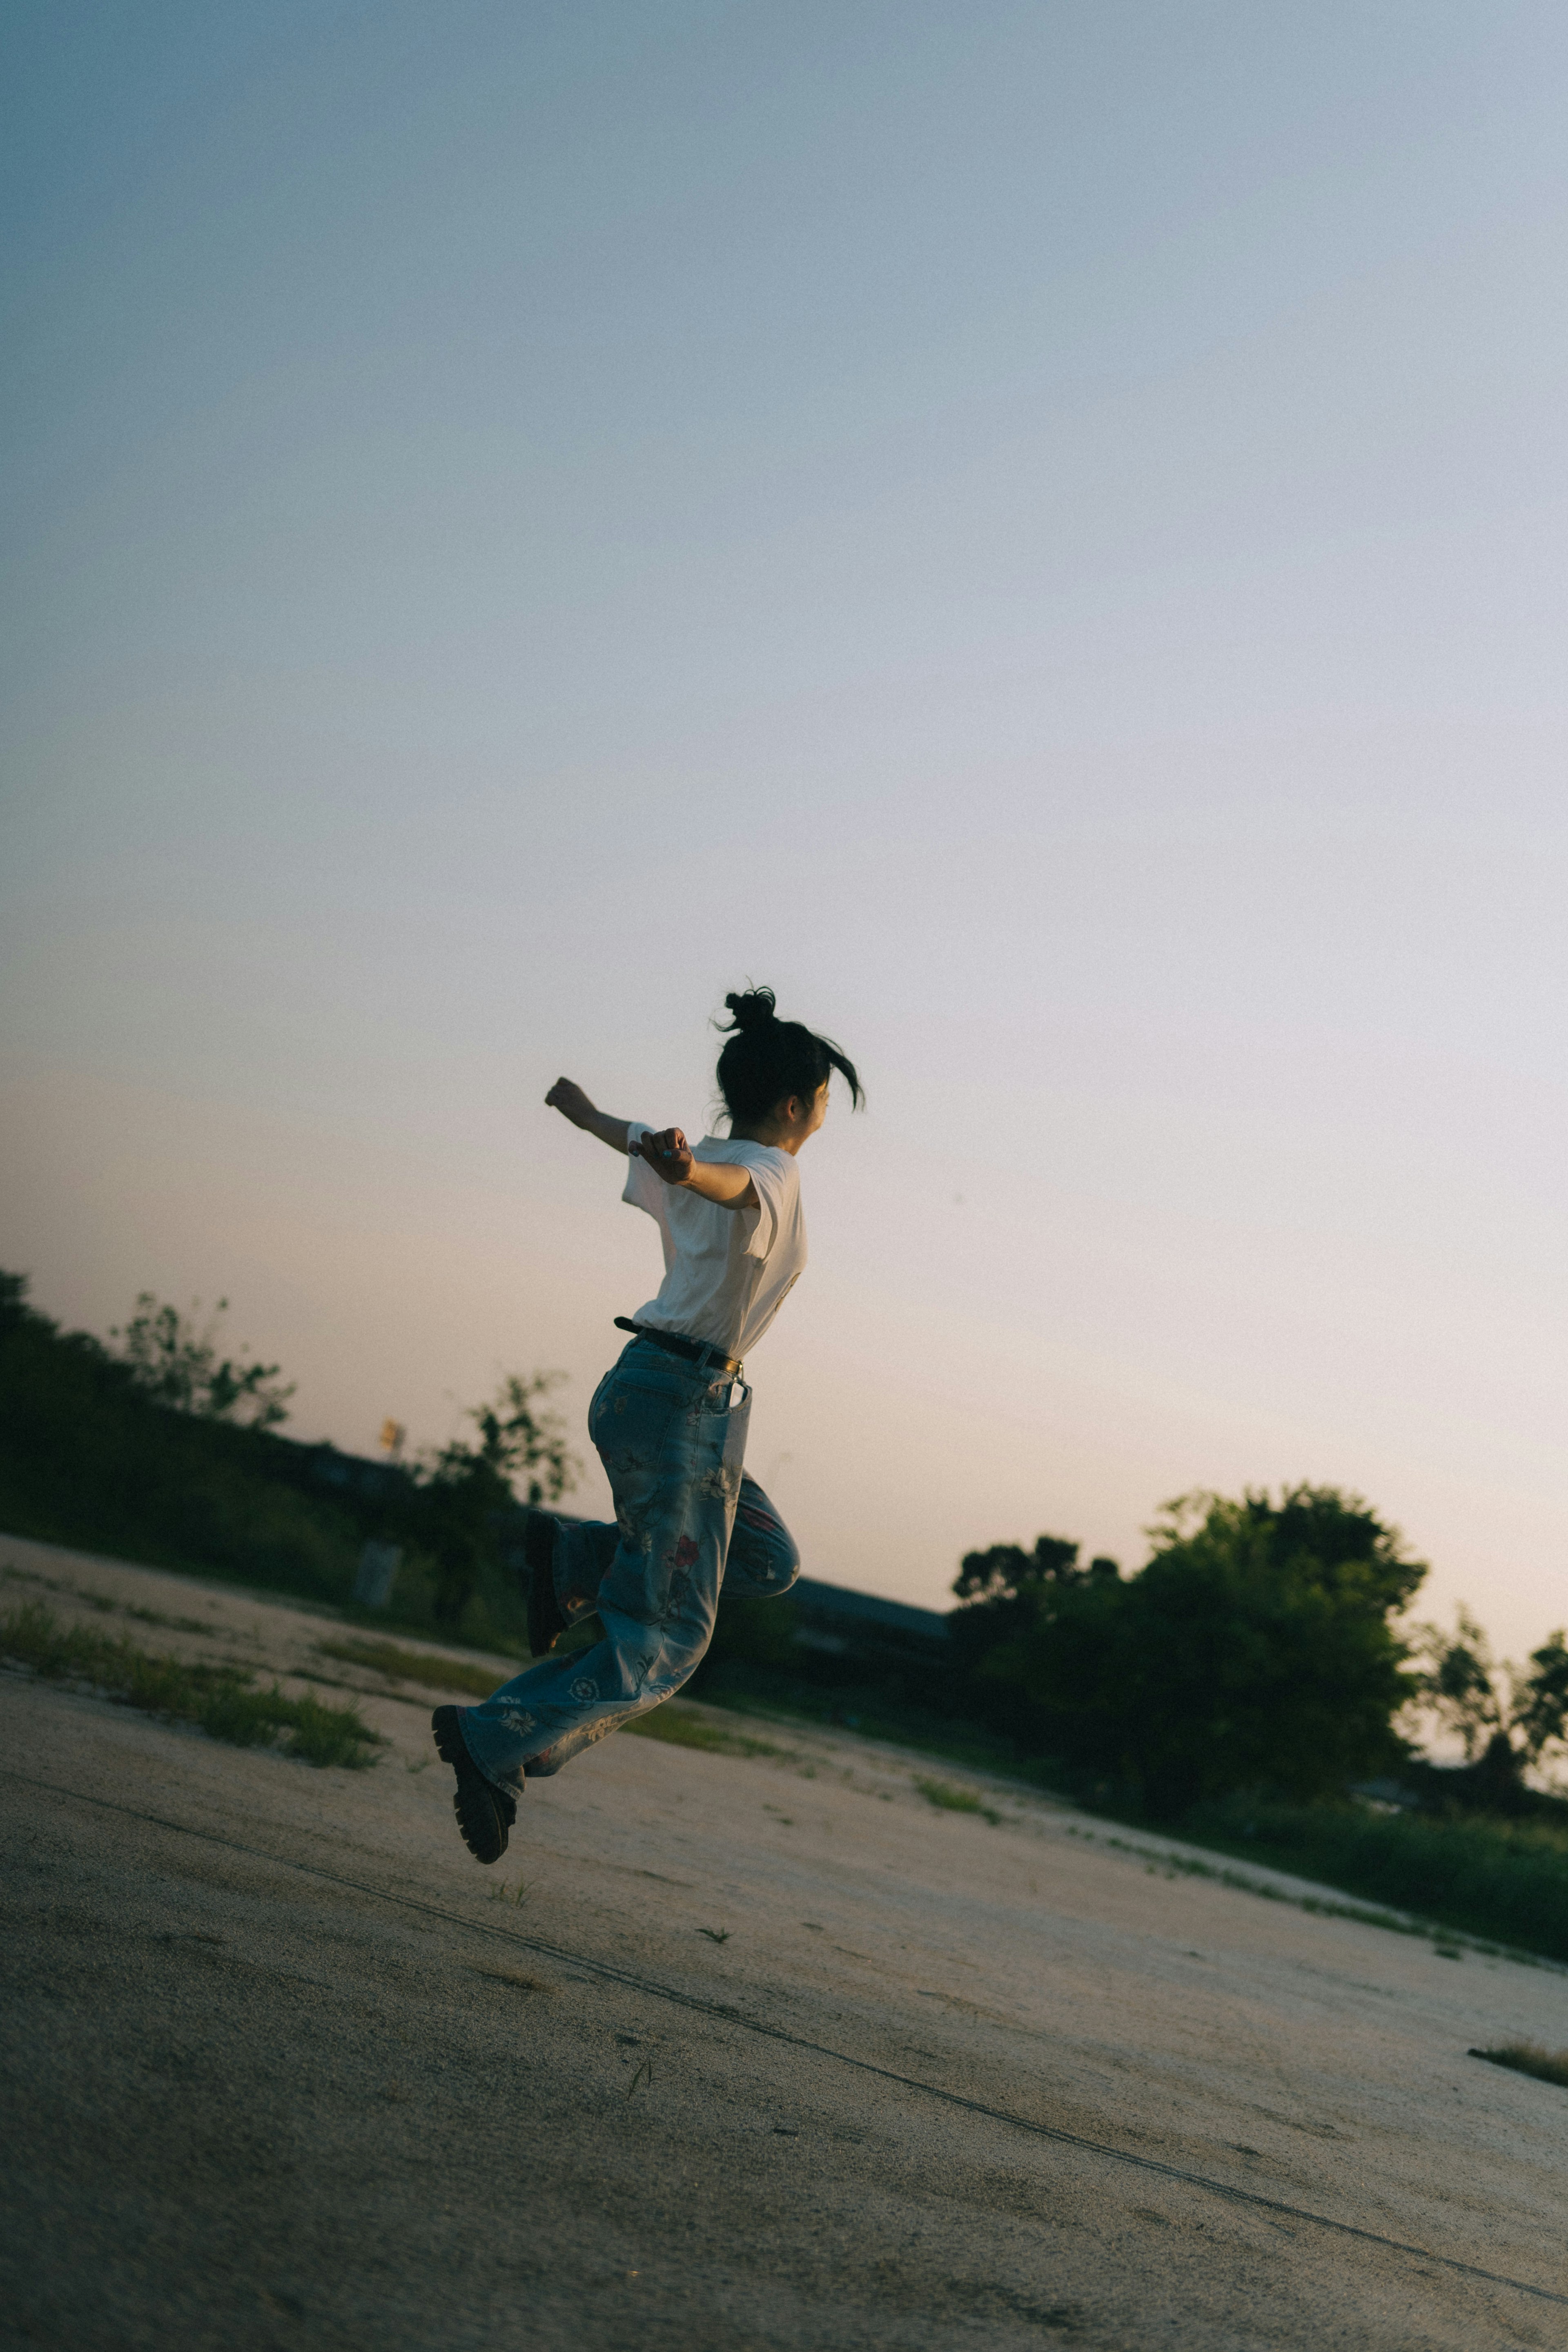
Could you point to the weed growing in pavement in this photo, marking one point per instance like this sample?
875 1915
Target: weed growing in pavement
1530 2058
174 1624
950 1799
684 1727
223 1700
427 1666
104 1605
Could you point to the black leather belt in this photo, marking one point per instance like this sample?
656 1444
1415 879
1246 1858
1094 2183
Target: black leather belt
696 1351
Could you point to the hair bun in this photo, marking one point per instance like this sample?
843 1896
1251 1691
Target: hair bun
757 1005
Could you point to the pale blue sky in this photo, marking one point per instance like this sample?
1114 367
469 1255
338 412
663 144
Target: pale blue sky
1037 531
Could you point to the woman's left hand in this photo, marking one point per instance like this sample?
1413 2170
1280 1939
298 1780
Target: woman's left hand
668 1153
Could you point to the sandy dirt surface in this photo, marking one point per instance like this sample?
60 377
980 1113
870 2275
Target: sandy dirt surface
728 2052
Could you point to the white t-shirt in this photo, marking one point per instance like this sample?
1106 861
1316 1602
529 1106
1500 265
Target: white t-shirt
725 1270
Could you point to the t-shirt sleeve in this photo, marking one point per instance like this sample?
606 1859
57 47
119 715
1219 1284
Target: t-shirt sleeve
646 1190
642 1188
775 1179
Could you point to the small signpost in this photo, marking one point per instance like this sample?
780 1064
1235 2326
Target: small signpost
378 1567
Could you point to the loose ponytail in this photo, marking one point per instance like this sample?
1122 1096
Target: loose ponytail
767 1059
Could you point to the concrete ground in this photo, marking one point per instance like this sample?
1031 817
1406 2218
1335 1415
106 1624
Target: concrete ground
728 2052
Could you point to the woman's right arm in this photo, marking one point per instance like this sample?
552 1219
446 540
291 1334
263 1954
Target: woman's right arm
570 1101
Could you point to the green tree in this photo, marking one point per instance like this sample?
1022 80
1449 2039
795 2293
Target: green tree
1005 1594
468 1487
1256 1649
1505 1718
516 1438
1005 1571
173 1363
92 1455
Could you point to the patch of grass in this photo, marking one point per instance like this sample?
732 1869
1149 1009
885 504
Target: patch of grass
1501 1884
1503 1880
1530 2058
950 1799
223 1700
684 1727
427 1666
174 1624
1190 1865
104 1605
775 1699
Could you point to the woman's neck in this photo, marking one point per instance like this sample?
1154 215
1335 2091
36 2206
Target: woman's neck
777 1139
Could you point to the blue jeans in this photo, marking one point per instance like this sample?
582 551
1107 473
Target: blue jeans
688 1519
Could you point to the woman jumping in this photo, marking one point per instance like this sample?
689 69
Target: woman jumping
669 1423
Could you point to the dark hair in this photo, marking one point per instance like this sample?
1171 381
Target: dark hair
767 1058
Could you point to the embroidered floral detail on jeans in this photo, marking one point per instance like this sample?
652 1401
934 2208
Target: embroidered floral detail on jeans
673 1448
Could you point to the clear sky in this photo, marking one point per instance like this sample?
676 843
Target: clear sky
1037 531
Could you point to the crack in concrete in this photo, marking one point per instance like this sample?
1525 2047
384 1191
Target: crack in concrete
729 2015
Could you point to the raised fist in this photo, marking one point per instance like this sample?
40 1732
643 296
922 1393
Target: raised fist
668 1153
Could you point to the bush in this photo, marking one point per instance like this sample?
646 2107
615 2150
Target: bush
87 1458
1255 1649
99 1451
1503 1879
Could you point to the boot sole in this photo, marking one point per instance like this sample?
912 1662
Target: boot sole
484 1814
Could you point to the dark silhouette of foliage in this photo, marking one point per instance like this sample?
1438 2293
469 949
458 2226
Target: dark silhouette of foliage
163 1451
467 1488
1007 1591
1254 1650
1006 1570
1505 1719
172 1363
88 1456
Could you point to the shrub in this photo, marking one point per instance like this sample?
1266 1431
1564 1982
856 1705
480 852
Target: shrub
1493 1877
1256 1648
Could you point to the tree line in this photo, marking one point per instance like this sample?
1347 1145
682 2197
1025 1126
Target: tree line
1262 1646
1265 1645
159 1442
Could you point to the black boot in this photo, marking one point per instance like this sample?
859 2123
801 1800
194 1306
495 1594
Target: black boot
485 1813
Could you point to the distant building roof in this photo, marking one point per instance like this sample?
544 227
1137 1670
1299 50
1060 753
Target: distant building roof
828 1605
837 1605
